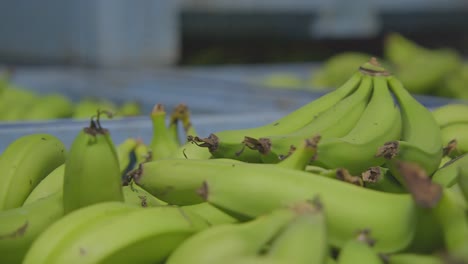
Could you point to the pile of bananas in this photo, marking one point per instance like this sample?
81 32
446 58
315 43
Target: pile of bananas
17 103
360 175
439 72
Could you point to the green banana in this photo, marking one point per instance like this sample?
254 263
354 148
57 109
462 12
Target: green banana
162 143
458 132
130 108
379 178
450 114
302 155
337 69
60 233
211 214
337 121
399 50
228 143
16 103
359 250
420 141
174 121
250 190
51 106
24 163
231 240
409 258
449 173
380 122
303 240
191 150
454 223
51 184
21 226
134 194
92 173
130 236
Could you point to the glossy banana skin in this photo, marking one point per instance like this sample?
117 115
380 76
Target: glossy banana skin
119 236
250 190
21 226
92 172
24 163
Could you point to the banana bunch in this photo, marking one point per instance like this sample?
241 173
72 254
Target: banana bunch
453 123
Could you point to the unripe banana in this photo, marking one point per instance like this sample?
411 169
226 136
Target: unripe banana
450 114
454 223
336 121
129 236
24 163
458 132
92 173
359 250
449 173
231 240
303 240
21 226
301 156
51 106
162 144
134 194
421 140
228 143
130 108
60 233
52 183
379 123
211 214
254 189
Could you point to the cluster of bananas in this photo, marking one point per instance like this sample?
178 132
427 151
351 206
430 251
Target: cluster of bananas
359 175
18 103
439 72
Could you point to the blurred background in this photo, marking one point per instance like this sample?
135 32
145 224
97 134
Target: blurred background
220 56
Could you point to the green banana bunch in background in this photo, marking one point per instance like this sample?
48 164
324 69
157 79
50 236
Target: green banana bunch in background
453 122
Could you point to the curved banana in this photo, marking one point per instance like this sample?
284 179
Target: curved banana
228 143
51 106
449 173
92 173
21 226
122 236
51 184
222 242
24 163
59 233
359 250
336 121
420 141
250 190
451 113
380 122
458 132
162 143
303 240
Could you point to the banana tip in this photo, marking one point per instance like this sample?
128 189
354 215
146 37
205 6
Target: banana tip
203 191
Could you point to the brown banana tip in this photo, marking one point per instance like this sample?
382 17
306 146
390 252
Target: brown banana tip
374 61
425 193
262 145
451 146
158 109
389 150
203 191
135 174
344 175
372 175
211 142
